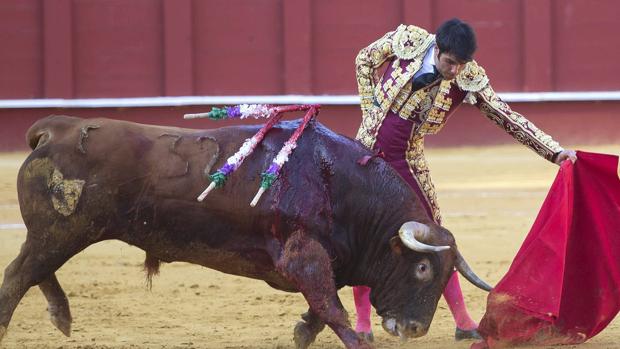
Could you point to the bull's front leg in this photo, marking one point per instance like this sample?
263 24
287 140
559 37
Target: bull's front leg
306 263
305 331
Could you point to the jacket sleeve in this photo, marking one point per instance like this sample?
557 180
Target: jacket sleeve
516 124
366 62
474 80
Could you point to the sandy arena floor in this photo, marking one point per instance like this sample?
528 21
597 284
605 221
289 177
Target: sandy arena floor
489 198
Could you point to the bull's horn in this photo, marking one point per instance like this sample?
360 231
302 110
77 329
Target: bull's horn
410 232
469 274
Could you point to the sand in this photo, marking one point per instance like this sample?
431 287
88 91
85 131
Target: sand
489 197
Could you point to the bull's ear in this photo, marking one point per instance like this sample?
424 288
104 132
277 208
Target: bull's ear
397 245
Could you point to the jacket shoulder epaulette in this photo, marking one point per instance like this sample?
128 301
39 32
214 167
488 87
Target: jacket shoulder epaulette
410 42
472 78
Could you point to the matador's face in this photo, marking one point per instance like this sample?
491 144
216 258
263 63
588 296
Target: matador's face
448 65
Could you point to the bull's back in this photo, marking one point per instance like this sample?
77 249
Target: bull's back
85 169
130 169
133 165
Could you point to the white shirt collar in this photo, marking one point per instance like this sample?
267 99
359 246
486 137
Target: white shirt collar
427 63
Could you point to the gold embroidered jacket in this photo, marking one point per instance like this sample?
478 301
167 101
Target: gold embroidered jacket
430 107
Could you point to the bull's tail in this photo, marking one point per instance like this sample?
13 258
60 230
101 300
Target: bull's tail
151 267
36 136
42 131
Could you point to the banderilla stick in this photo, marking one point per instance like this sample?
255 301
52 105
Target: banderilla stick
269 176
248 147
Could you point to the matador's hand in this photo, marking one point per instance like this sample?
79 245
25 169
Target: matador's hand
565 155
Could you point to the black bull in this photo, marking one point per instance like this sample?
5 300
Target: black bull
327 221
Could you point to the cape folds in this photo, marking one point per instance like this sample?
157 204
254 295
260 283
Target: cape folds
563 286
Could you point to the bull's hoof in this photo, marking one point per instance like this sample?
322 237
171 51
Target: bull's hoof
62 324
367 336
363 344
303 335
61 318
460 335
2 332
479 345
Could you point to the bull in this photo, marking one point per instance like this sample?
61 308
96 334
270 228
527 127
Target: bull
327 222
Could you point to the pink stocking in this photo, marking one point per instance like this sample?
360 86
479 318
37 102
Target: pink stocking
454 298
361 295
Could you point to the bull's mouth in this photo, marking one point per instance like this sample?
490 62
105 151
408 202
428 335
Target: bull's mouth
404 329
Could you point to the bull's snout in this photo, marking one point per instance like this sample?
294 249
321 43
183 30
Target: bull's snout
404 329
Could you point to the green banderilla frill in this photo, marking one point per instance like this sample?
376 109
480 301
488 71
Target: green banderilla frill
218 178
217 113
267 179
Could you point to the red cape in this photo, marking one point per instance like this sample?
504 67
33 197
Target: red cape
564 284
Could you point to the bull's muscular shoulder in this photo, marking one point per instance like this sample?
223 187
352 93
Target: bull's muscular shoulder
472 78
411 42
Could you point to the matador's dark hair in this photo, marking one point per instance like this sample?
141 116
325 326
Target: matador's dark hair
458 38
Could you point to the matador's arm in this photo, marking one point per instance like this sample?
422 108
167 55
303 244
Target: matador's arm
474 80
366 63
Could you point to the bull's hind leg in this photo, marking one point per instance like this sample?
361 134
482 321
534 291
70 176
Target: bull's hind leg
13 288
306 263
306 330
57 304
36 263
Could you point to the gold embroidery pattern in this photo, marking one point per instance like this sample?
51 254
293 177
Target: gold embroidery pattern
436 117
396 86
367 60
420 101
410 41
473 78
470 98
376 99
421 173
516 124
371 120
401 98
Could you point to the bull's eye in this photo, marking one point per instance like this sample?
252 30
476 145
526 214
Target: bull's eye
423 270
